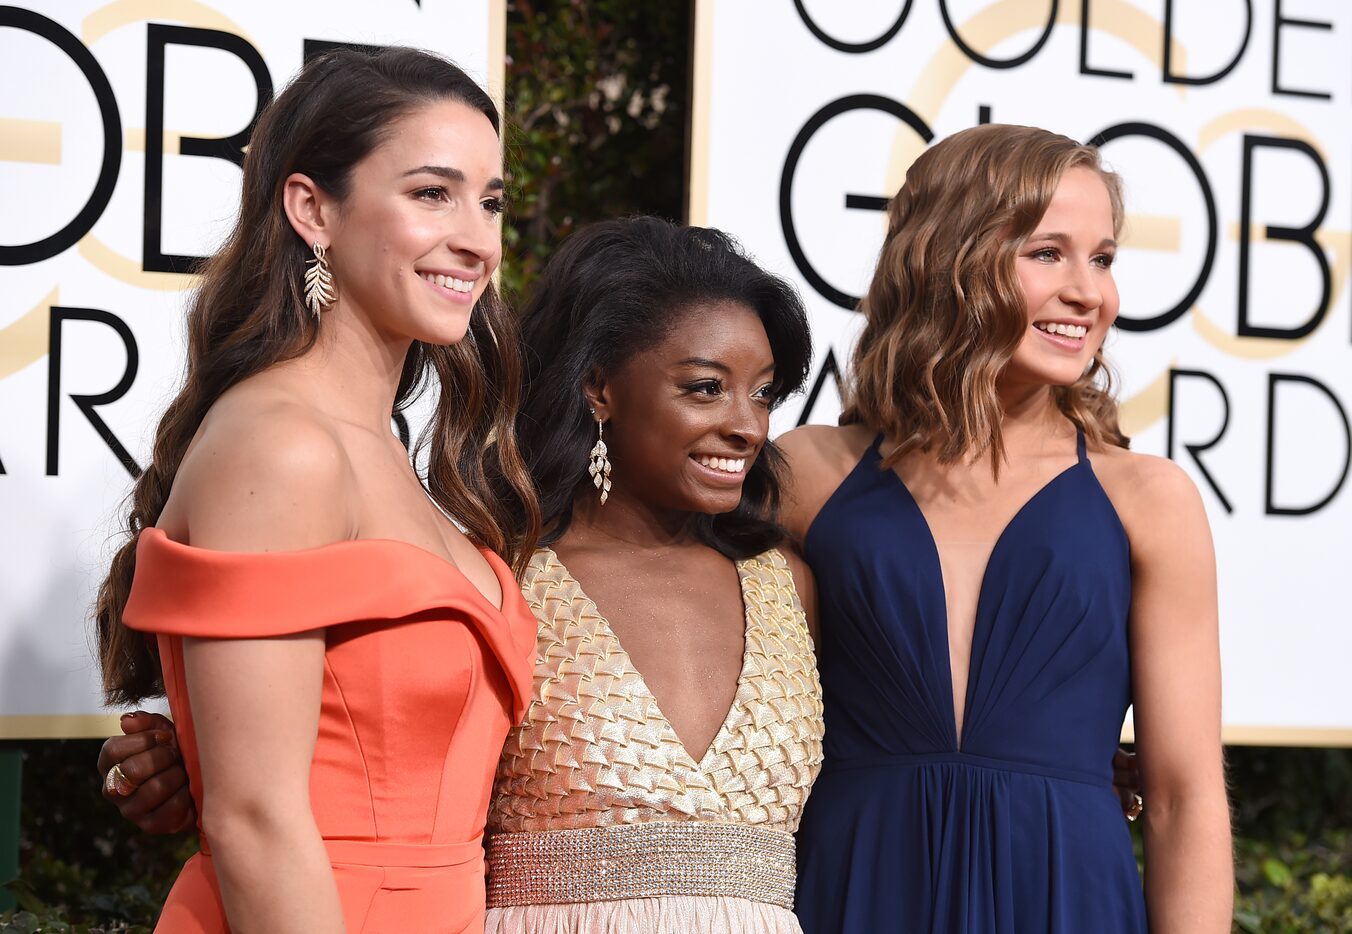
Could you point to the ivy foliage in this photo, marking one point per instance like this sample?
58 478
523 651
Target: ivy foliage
597 95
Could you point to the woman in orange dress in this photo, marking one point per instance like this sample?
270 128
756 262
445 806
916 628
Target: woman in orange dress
288 581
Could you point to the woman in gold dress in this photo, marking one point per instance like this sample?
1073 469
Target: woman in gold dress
675 728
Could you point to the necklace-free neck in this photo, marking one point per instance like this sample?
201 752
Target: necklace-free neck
631 523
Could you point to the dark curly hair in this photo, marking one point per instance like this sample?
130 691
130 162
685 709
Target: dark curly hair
614 289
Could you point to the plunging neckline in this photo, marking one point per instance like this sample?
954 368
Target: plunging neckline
725 727
875 452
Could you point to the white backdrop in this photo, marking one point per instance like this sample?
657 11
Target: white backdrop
90 306
1231 121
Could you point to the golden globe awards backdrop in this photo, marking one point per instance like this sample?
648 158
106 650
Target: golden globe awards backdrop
1231 122
121 133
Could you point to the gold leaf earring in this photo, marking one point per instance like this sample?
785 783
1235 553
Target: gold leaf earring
319 292
599 464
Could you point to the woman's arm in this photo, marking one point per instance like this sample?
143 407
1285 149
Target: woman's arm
272 481
1176 688
256 701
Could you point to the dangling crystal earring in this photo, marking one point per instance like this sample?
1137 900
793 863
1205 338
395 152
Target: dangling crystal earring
319 293
599 466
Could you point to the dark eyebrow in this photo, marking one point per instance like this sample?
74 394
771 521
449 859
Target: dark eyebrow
715 365
453 175
441 171
704 362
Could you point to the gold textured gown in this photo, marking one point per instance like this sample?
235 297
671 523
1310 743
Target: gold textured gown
601 821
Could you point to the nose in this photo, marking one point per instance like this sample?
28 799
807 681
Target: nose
1081 289
747 420
476 239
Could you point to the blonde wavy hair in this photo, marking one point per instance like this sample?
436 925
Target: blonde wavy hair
945 311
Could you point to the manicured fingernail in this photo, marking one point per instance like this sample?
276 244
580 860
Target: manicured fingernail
126 717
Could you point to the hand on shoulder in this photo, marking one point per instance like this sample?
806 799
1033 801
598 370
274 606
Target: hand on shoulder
263 474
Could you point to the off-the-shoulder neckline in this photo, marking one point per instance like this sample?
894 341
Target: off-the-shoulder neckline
506 579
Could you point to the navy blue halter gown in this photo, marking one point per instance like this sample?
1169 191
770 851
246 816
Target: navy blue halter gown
1014 826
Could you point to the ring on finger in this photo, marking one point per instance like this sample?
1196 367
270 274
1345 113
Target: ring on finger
1137 806
117 783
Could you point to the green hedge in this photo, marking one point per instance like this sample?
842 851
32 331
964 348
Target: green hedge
1293 839
84 870
596 120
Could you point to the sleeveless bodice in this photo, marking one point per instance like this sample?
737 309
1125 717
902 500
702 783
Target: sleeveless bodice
595 750
1013 825
596 760
422 679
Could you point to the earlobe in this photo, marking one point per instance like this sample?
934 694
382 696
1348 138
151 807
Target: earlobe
594 390
307 208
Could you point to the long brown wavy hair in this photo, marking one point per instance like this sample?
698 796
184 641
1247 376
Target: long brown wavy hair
945 311
248 314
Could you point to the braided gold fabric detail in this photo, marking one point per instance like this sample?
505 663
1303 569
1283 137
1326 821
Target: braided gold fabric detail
662 858
767 756
595 751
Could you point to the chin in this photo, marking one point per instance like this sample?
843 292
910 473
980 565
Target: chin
717 505
1063 379
444 336
1050 376
707 502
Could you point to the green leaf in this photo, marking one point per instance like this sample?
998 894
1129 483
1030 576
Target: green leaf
1277 872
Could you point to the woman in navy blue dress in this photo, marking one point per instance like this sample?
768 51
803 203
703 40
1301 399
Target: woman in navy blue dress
1000 578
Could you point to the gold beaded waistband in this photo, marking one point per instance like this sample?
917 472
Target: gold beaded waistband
593 864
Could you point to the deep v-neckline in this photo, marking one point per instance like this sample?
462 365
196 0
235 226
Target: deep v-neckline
1081 460
589 606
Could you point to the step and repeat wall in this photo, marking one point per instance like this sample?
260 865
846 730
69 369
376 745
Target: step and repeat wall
122 127
1231 123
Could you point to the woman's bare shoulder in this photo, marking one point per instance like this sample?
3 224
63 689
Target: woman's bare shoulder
1149 493
1142 475
825 448
820 457
264 472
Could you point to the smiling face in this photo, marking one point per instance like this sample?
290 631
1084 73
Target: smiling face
1065 270
686 417
418 235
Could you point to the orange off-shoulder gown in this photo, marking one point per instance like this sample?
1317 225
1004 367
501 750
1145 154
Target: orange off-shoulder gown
423 677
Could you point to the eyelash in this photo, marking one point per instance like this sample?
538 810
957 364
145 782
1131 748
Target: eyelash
765 393
1105 260
700 386
494 206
